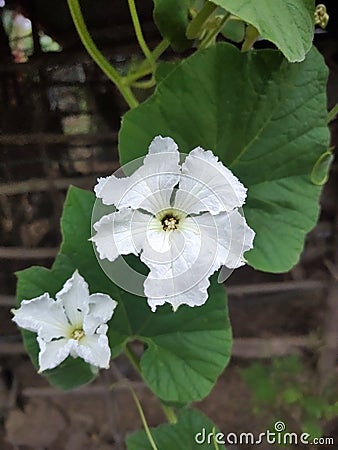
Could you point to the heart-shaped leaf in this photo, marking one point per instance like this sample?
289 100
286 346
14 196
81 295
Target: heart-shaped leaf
192 431
265 119
288 24
172 26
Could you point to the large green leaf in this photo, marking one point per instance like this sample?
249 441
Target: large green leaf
192 431
289 24
186 350
172 18
234 30
266 120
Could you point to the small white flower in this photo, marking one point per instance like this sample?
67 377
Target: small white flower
73 324
182 220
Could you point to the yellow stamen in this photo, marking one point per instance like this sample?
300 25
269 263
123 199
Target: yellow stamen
78 334
169 223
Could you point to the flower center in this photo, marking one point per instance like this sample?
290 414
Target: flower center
169 223
78 334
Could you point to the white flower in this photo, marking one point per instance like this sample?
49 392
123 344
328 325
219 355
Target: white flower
182 220
73 324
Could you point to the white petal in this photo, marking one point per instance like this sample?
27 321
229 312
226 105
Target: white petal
160 172
157 240
209 242
102 329
160 145
44 316
157 201
216 234
95 350
179 276
164 247
210 182
53 353
188 294
227 236
120 233
187 202
101 308
111 189
74 296
242 237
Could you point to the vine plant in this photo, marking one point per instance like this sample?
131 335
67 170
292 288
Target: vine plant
262 113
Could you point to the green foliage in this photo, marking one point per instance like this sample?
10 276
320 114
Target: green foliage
178 436
281 109
172 18
163 70
320 171
186 350
288 24
286 389
234 30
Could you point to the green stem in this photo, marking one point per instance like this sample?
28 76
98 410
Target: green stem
144 69
332 114
125 382
139 34
147 84
160 48
169 412
214 438
97 56
251 36
133 358
195 26
143 419
213 33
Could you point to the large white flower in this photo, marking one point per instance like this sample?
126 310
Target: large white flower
73 324
182 220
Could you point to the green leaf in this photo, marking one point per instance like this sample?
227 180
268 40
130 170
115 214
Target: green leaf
234 30
163 69
291 395
286 367
257 377
173 364
288 24
320 170
314 406
331 411
187 350
313 428
266 120
172 18
191 424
